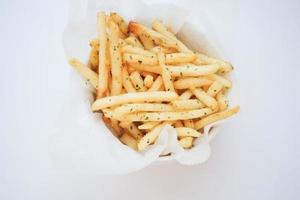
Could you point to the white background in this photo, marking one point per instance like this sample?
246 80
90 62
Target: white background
255 156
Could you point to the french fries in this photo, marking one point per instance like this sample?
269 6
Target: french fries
145 78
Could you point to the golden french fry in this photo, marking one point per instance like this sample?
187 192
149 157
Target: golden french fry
168 116
147 42
185 95
225 82
185 131
132 129
187 70
132 40
86 72
139 59
126 81
205 98
120 22
139 29
137 81
188 123
137 50
216 117
222 101
94 59
186 142
185 83
146 68
214 88
128 140
166 76
148 125
102 68
188 104
157 84
131 108
159 27
203 59
159 49
148 81
155 96
178 58
178 124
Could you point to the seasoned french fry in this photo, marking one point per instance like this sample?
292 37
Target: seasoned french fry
116 127
148 125
120 22
166 76
94 59
225 82
159 27
132 40
168 116
185 83
203 59
139 29
159 49
188 123
147 68
147 42
103 68
137 50
131 108
126 81
216 117
178 124
178 58
137 81
128 140
115 55
155 96
205 98
157 84
185 131
222 101
186 142
188 104
139 59
185 95
86 72
148 81
132 129
214 88
187 70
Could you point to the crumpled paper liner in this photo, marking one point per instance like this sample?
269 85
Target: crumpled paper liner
83 142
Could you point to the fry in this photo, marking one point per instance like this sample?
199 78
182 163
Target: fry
214 88
136 50
188 123
205 98
147 42
102 68
126 82
178 124
185 131
188 104
120 22
177 58
204 60
137 81
116 62
116 127
131 108
168 116
139 29
148 125
185 95
186 142
222 101
132 129
185 83
128 140
166 76
148 81
216 117
159 27
94 59
147 68
132 40
225 82
157 84
159 49
86 72
155 96
187 70
139 59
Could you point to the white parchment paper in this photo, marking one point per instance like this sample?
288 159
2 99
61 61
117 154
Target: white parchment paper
83 143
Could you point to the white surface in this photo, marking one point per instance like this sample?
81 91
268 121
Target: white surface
255 157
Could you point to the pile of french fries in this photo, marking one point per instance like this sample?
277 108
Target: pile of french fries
145 78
